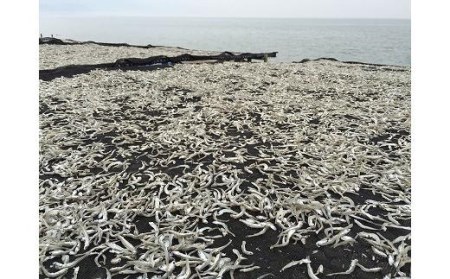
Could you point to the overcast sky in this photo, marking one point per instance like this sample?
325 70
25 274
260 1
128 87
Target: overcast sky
229 8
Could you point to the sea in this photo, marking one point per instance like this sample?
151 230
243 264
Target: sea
382 41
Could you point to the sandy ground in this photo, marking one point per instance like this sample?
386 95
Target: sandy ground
153 172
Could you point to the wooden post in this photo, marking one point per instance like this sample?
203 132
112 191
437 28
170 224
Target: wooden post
265 58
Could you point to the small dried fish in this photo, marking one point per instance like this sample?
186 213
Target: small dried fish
348 271
142 164
248 269
294 263
244 250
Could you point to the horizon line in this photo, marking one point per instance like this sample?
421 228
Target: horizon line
221 17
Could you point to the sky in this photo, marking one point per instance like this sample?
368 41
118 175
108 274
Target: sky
229 8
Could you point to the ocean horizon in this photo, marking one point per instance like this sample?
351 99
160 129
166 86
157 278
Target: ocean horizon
383 41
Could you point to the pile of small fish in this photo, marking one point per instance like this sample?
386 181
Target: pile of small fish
143 173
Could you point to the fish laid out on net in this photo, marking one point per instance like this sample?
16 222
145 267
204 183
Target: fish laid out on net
210 171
